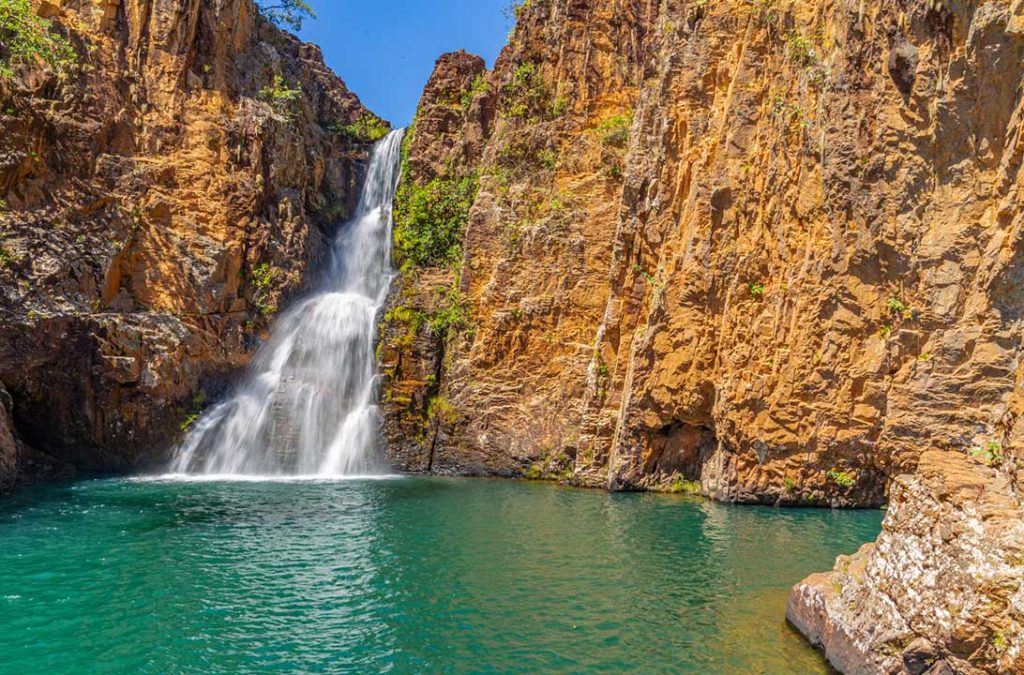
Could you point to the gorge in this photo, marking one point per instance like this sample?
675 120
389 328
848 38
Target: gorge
763 251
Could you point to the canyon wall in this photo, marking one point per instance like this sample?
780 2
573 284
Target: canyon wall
771 247
160 199
767 251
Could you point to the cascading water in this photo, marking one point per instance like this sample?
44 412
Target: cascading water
307 406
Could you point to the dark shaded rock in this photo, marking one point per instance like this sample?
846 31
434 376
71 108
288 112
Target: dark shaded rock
903 60
919 656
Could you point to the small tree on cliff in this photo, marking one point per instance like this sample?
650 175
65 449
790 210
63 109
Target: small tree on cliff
290 13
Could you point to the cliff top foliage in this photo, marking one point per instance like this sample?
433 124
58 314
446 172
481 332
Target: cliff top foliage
286 13
27 40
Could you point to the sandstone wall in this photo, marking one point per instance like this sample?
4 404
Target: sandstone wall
157 209
765 246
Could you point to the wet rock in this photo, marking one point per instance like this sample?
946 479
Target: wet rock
8 447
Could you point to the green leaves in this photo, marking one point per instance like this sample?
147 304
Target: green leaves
27 40
263 276
524 96
366 129
281 97
287 13
841 478
614 131
430 220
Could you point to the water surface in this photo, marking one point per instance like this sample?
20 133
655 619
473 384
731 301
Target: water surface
403 575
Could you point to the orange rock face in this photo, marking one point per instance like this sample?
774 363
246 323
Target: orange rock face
770 251
158 206
768 247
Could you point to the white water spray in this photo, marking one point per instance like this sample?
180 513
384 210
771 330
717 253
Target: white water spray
308 404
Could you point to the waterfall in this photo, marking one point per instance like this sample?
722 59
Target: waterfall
308 403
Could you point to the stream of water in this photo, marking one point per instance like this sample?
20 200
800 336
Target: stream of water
308 405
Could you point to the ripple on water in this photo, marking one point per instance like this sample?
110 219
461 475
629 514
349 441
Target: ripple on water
162 575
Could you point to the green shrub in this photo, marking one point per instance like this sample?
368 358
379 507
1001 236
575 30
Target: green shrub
439 409
801 50
286 13
682 486
525 94
26 40
614 131
430 220
991 453
262 278
281 97
756 289
478 87
548 158
366 129
195 413
451 316
841 478
7 257
897 306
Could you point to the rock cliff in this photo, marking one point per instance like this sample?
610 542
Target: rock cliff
769 251
767 246
160 199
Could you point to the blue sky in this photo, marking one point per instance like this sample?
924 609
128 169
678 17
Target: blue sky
385 51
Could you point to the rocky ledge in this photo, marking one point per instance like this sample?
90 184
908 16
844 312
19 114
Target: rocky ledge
940 591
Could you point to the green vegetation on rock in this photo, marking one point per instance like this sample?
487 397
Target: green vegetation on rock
841 478
478 87
27 40
991 453
614 131
682 486
524 96
281 97
263 276
287 13
430 220
366 129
